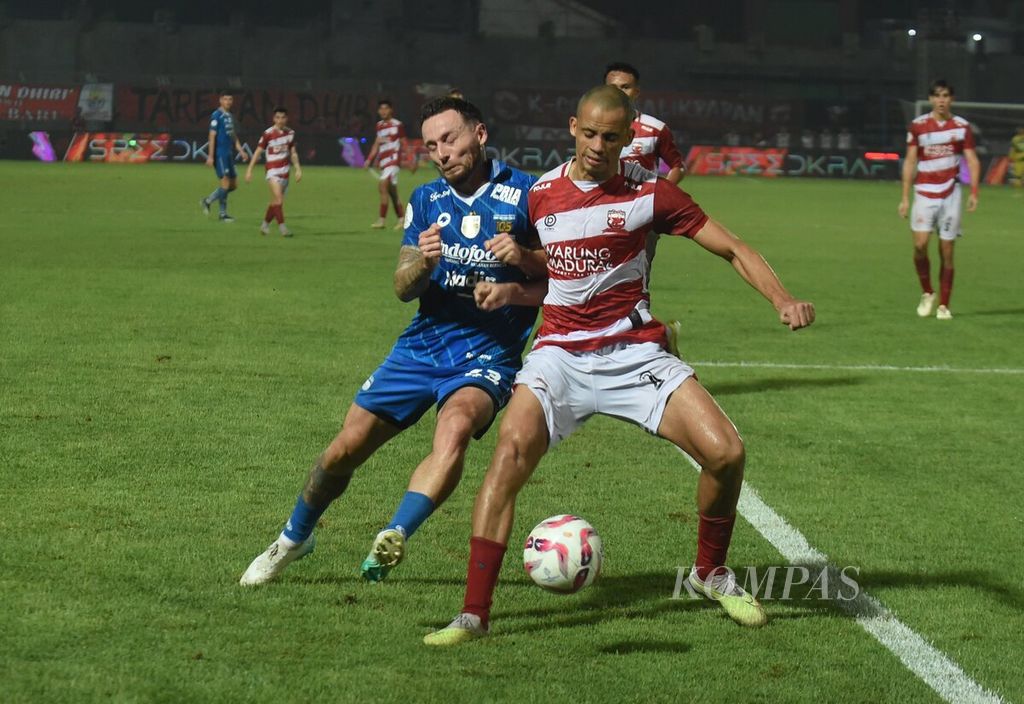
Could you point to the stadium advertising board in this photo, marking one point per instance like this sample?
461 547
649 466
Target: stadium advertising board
31 102
699 113
773 162
183 109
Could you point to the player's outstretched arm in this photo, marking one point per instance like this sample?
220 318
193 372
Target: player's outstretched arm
756 272
490 295
412 277
909 169
252 163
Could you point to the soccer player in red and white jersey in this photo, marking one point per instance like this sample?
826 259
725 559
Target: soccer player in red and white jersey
599 350
935 143
278 142
652 139
387 150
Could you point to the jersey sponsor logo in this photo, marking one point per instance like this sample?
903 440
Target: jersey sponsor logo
936 150
462 254
542 186
444 219
578 260
454 279
616 219
408 215
550 220
440 194
470 225
506 194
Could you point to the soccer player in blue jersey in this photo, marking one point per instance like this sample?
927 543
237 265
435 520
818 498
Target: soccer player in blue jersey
469 226
220 154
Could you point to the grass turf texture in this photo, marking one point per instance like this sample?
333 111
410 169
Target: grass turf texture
167 381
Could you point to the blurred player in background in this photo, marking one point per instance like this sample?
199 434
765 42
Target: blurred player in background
1017 157
935 143
652 139
387 149
599 351
278 142
469 226
220 154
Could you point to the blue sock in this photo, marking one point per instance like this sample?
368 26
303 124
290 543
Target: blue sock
215 195
303 520
414 509
223 202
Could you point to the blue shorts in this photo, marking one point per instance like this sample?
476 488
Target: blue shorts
225 165
401 391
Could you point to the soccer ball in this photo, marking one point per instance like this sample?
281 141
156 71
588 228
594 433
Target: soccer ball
563 554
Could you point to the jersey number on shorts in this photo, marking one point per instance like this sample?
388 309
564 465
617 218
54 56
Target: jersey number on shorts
489 374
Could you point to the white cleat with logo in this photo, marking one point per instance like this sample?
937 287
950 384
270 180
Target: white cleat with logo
272 561
927 305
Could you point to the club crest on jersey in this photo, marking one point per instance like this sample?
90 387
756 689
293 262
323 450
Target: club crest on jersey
471 225
616 219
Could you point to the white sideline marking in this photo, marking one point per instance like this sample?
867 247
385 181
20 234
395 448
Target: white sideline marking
860 367
922 658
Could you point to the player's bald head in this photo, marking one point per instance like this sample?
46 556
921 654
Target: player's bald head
606 99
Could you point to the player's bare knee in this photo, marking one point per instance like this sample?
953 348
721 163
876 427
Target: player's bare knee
726 456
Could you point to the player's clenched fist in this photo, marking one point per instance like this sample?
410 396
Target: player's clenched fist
430 244
505 249
796 314
490 295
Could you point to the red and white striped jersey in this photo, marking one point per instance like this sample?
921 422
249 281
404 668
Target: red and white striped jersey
595 236
652 139
390 134
939 146
277 145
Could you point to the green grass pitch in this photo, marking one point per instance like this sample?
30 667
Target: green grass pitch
166 382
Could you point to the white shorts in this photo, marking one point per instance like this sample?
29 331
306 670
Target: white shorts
390 173
631 382
942 214
283 182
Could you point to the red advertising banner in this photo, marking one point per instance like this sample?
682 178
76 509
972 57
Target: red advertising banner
184 109
29 102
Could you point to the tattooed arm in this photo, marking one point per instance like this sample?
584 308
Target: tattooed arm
416 263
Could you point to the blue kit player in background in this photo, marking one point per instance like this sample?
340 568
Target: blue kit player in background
465 233
220 154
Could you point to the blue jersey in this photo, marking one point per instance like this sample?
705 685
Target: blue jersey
223 123
449 330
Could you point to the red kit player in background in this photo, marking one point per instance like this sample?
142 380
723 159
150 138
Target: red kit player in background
387 150
935 143
278 142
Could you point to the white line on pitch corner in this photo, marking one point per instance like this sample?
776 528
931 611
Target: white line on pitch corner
861 367
922 658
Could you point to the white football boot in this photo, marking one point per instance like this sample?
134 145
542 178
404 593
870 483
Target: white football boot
927 305
272 561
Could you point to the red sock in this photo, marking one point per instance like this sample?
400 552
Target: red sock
279 211
714 533
270 214
383 210
924 273
485 558
945 285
